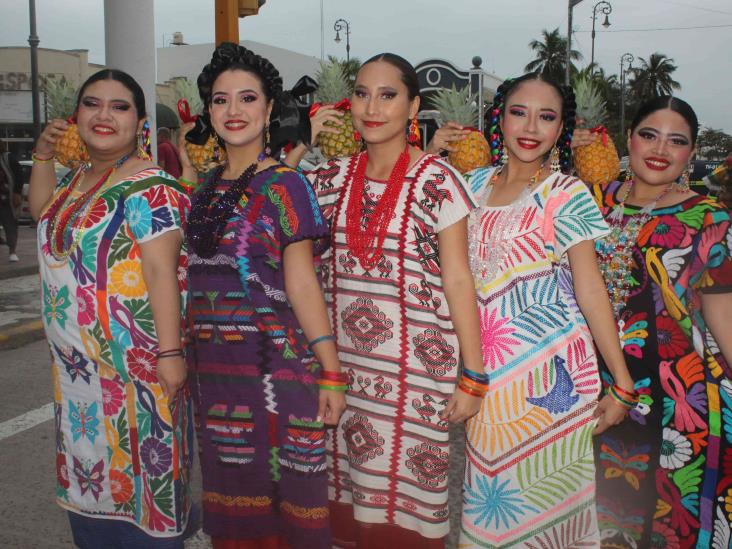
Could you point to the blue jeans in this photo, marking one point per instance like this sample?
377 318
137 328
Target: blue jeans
99 533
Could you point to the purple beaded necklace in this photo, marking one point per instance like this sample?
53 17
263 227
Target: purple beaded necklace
208 218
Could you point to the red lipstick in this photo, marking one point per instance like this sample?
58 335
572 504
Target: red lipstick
529 144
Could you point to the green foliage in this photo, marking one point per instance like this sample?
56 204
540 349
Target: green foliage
60 97
714 144
653 78
591 106
350 68
551 55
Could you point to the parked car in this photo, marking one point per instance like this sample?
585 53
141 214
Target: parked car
24 215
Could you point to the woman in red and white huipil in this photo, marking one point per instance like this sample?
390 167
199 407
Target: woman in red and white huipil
404 311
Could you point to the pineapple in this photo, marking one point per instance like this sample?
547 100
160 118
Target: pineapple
459 106
206 155
61 100
333 87
598 162
70 149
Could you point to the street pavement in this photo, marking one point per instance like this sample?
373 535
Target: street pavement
29 516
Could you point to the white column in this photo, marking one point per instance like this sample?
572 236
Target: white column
129 41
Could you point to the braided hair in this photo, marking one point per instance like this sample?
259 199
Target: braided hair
229 56
498 108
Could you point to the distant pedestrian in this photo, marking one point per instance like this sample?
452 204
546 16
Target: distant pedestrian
11 187
168 153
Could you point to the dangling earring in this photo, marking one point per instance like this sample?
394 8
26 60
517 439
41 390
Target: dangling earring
216 149
504 156
413 134
143 142
554 165
682 183
628 173
267 147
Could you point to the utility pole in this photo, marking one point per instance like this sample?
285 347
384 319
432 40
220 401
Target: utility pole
570 6
228 13
33 40
629 58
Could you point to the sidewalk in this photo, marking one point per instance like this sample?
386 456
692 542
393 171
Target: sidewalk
20 316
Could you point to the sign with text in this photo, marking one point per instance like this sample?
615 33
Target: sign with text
16 107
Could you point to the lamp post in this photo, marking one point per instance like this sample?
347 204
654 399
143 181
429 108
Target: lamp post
626 57
33 40
342 25
570 6
606 9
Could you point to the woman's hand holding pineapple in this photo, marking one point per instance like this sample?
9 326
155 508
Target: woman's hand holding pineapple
46 144
326 113
448 133
583 137
188 172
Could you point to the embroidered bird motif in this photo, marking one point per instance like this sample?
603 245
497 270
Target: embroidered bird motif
433 196
347 261
425 407
560 398
384 267
381 387
422 292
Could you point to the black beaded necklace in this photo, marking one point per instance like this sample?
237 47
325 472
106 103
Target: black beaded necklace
208 218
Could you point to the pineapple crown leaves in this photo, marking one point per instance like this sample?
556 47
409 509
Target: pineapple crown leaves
456 105
60 97
591 107
332 83
188 90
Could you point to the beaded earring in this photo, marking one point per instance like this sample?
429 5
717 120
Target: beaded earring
144 149
628 173
554 165
504 156
413 134
682 183
216 153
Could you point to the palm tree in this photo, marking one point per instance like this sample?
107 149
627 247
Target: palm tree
653 78
551 55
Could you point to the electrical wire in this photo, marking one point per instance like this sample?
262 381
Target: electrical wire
659 29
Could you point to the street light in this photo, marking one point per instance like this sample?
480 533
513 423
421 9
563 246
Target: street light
626 57
342 24
33 40
607 9
570 6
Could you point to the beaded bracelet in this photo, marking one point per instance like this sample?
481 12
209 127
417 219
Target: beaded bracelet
320 339
39 160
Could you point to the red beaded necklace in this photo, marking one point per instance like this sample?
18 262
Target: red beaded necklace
367 242
63 218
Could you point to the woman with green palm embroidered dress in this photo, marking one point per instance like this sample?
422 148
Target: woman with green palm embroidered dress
664 476
529 479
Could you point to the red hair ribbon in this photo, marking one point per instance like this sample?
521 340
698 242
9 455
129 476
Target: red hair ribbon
342 105
602 130
184 111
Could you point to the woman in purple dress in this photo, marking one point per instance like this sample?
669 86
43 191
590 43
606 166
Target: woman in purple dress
264 366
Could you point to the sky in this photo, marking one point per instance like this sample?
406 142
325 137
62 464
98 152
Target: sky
696 34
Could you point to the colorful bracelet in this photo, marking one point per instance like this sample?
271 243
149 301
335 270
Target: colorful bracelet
40 160
320 339
329 385
475 376
471 392
341 377
626 402
189 185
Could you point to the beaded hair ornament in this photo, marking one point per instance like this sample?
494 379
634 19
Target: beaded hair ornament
497 110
